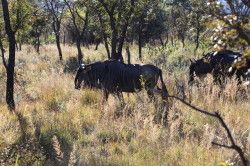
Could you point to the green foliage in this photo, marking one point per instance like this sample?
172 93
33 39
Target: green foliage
20 14
230 23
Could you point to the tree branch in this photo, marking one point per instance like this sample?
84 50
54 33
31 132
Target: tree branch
216 115
221 145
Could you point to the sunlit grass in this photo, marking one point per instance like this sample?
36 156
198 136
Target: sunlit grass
59 117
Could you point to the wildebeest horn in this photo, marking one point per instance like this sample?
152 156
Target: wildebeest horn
82 66
80 62
192 60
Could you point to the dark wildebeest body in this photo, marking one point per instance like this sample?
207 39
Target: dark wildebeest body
116 77
218 64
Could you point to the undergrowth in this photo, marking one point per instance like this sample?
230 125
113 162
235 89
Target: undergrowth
71 127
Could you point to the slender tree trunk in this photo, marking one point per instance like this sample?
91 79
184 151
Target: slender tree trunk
172 40
128 54
166 42
59 46
16 45
140 39
197 39
20 45
114 44
64 38
183 42
107 46
79 51
114 37
87 45
198 28
56 28
161 40
11 62
38 44
46 37
104 35
124 28
121 41
140 46
96 46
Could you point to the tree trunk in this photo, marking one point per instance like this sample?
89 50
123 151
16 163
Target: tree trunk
20 45
198 28
16 45
38 44
96 45
114 44
197 40
114 37
59 47
166 42
104 35
124 29
11 62
121 41
172 40
64 39
140 44
161 40
107 47
128 53
183 41
79 51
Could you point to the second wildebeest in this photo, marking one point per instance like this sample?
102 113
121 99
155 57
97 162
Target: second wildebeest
216 63
116 77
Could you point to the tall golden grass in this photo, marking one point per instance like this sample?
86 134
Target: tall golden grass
71 127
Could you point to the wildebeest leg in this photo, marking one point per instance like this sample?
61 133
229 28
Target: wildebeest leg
165 103
120 97
105 96
150 93
119 111
164 89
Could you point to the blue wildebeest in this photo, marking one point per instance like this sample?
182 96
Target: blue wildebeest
116 77
219 64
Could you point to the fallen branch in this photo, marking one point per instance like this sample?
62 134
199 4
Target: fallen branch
216 115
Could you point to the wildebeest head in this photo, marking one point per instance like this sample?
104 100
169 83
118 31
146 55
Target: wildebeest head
81 75
198 68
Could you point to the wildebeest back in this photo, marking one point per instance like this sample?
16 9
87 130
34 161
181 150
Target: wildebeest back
126 77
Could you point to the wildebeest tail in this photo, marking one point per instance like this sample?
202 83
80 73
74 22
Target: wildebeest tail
163 86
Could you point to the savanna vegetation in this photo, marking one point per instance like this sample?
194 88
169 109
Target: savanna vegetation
45 121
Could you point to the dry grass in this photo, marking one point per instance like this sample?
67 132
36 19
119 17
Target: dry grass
72 127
